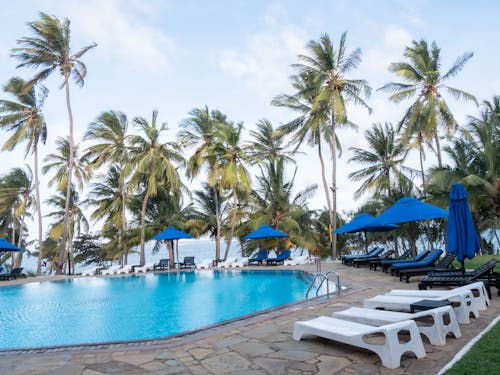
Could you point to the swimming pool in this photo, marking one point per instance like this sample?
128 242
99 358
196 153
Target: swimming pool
91 310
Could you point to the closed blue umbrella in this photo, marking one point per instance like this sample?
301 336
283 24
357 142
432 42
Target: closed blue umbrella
171 234
7 246
462 239
409 209
365 223
265 231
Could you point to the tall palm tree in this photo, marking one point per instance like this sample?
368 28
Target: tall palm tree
426 83
382 161
199 132
268 144
154 164
110 132
49 50
232 160
23 118
328 68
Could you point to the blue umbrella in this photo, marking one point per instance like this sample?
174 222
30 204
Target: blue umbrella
7 246
265 231
365 223
461 238
409 209
171 234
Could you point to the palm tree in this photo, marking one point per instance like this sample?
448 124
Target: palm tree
382 161
232 159
16 196
199 131
49 50
268 143
327 68
110 133
23 117
153 163
426 83
78 223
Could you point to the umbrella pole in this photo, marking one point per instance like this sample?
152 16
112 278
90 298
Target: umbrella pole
177 251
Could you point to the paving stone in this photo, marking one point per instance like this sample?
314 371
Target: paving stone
68 369
114 367
92 372
135 359
331 365
226 363
274 366
229 341
199 370
154 366
200 353
253 349
164 355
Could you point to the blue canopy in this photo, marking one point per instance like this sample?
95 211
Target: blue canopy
171 233
265 231
7 246
462 238
409 209
364 223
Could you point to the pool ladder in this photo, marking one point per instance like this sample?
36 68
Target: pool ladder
320 278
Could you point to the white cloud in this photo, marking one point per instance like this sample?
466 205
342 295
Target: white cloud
262 65
130 42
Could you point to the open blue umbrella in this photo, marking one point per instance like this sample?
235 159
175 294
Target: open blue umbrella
409 209
265 231
365 223
7 246
172 234
462 239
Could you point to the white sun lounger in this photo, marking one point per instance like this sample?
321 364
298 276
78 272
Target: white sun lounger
353 334
444 320
242 262
111 270
227 263
147 267
479 293
463 301
91 272
125 269
204 264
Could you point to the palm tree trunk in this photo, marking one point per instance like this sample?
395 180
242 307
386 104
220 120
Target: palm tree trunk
19 257
218 224
12 261
421 157
333 214
38 212
438 150
142 259
233 223
124 219
64 238
325 183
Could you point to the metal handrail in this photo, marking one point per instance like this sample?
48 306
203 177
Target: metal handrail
323 277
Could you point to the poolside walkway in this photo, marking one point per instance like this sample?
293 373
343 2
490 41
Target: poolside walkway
260 344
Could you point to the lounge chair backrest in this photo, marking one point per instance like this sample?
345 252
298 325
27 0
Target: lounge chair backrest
285 254
188 260
164 262
16 271
262 254
446 261
485 268
433 255
421 256
407 254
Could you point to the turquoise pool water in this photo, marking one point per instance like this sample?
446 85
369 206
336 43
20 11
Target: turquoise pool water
91 310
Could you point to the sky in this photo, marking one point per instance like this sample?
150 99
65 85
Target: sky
236 56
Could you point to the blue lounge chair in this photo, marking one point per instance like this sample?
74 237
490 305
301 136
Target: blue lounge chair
261 256
346 259
428 261
163 264
284 255
442 266
386 264
356 262
187 263
14 274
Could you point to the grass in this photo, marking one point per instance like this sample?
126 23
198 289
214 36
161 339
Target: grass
478 261
483 358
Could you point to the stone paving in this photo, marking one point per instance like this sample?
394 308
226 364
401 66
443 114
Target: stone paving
258 344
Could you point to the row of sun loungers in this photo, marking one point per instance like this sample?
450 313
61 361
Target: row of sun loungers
15 273
355 325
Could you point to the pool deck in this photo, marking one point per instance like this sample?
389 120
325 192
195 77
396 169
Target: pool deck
258 344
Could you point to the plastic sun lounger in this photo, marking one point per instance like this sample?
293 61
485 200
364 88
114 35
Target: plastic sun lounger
261 256
443 319
386 264
205 264
147 267
125 269
347 257
163 264
451 279
354 333
91 272
479 293
243 262
284 255
111 270
374 253
375 263
359 261
428 261
443 265
229 262
463 303
13 274
187 263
